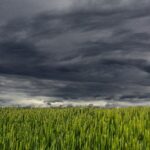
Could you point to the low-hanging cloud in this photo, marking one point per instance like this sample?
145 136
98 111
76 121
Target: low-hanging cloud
76 50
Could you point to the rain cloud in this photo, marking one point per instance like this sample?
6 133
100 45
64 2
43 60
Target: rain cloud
74 50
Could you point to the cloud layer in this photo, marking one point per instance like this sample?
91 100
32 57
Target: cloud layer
76 50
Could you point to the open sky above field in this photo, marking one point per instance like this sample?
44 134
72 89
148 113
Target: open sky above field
74 50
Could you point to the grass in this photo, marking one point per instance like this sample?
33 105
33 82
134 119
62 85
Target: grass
75 129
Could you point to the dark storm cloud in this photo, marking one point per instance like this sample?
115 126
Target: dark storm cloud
18 57
84 49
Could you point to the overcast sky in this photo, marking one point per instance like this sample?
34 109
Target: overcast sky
89 50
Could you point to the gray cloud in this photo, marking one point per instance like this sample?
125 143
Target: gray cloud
78 50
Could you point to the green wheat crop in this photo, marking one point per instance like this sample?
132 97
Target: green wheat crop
75 129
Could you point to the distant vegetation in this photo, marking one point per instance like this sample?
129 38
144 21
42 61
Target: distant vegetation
75 129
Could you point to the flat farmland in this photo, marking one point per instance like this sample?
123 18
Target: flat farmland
75 129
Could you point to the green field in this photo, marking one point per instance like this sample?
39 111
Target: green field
75 129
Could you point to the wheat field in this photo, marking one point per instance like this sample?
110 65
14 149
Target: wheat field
75 129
